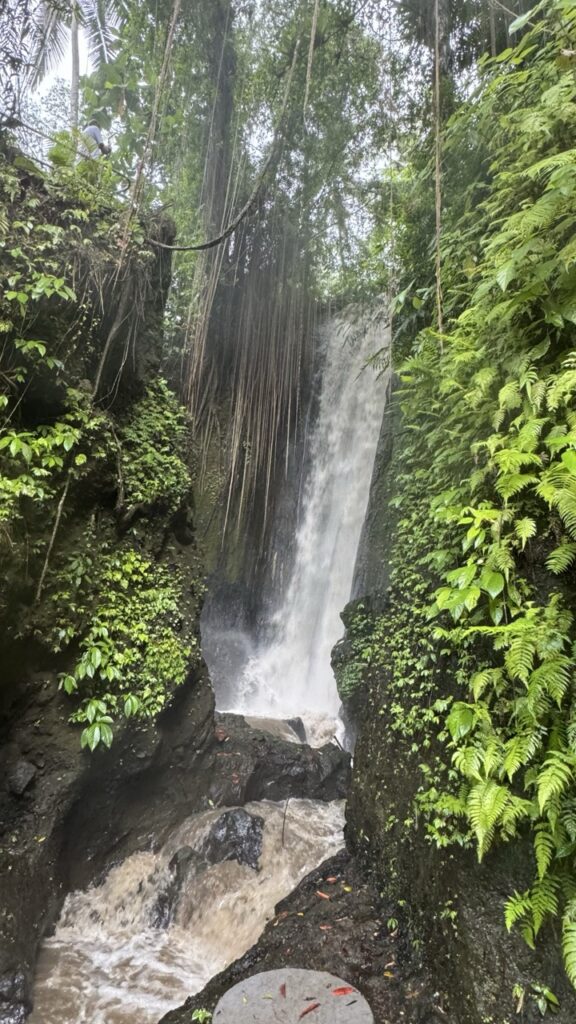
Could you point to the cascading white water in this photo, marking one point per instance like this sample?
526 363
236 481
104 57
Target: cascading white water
127 951
118 955
291 674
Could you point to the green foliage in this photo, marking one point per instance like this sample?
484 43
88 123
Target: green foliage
110 610
153 444
486 512
125 625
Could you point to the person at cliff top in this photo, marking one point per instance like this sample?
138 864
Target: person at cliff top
93 144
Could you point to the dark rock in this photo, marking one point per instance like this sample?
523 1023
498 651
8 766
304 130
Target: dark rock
236 835
20 776
299 728
348 935
184 863
182 859
14 1005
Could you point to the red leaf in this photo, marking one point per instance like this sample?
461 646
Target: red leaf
313 1006
322 895
283 990
344 990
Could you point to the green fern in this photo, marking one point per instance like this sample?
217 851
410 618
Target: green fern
569 948
520 657
486 802
544 849
555 777
561 558
525 529
516 909
543 901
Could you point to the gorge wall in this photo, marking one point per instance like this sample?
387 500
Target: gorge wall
451 905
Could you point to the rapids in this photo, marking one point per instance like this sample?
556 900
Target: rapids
124 953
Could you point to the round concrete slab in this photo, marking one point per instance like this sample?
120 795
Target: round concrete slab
290 996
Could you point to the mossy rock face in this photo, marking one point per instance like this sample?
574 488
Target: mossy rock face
455 904
95 486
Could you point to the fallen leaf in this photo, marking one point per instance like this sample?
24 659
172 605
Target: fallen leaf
344 990
322 895
347 888
300 913
332 880
313 1006
325 927
388 974
283 990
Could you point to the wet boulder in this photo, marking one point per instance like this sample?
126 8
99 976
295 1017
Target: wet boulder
186 862
236 835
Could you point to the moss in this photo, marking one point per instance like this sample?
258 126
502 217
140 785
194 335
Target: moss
153 447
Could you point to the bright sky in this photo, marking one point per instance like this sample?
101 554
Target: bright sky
64 68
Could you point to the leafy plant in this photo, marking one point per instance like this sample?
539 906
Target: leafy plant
485 495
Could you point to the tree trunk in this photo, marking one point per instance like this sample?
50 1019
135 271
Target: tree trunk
75 80
438 161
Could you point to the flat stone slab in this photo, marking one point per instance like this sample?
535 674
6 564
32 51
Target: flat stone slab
292 995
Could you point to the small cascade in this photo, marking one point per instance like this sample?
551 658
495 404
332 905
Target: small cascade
162 924
290 674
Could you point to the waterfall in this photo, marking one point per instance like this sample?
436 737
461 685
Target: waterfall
290 674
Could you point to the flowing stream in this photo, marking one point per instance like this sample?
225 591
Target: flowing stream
162 923
289 674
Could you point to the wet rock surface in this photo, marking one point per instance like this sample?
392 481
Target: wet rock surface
336 922
186 862
249 764
237 836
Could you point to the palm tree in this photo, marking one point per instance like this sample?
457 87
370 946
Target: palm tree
59 23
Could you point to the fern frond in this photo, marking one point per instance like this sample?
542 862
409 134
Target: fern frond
510 460
525 529
569 949
468 761
517 809
561 558
554 778
520 657
510 484
560 389
486 802
519 752
565 502
516 908
554 674
543 900
509 396
544 849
